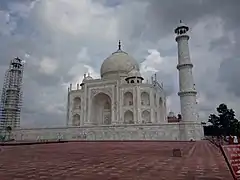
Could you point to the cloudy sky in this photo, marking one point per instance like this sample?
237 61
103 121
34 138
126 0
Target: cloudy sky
63 39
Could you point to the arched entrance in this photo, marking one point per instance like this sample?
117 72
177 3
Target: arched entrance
161 109
77 103
146 117
76 120
101 109
128 117
145 99
128 99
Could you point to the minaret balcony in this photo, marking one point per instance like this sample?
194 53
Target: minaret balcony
10 107
12 89
182 66
76 110
187 93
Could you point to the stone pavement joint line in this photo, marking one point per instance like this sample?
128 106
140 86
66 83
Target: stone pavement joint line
113 160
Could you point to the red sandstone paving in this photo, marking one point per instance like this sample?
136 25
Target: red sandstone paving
112 161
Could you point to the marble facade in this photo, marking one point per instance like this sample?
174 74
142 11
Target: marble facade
108 102
121 106
167 131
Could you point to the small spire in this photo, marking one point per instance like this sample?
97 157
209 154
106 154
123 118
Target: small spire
119 45
180 21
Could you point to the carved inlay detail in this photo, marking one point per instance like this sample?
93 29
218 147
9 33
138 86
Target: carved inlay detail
107 91
115 106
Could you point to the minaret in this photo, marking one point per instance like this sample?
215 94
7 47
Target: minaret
11 101
187 92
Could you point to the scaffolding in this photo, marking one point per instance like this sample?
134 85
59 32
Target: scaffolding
11 99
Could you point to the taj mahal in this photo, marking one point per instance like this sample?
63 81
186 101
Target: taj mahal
122 106
119 97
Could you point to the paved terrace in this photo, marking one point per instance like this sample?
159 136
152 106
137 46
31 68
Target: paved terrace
113 160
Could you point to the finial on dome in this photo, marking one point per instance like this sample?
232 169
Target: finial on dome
119 50
119 45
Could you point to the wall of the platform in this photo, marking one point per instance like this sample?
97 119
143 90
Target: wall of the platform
118 132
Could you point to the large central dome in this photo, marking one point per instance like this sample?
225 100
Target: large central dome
119 64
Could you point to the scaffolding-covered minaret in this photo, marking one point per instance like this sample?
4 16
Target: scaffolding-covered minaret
11 100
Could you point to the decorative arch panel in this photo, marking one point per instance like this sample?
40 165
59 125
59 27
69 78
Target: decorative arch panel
101 107
145 99
107 91
146 116
128 117
76 120
77 103
128 99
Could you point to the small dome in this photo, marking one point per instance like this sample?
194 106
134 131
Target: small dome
134 73
181 25
171 114
86 78
118 64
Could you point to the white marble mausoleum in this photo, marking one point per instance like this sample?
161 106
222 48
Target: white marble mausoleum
121 106
119 97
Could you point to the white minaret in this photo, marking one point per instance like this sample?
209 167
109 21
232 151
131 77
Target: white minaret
187 92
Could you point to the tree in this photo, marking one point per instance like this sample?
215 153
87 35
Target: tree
225 122
211 130
8 129
2 138
179 117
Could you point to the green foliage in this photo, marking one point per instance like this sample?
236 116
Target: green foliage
2 138
225 122
5 134
8 128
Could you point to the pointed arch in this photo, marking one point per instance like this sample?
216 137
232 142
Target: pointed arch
77 103
101 109
156 117
145 99
160 102
128 117
107 112
128 99
146 117
161 109
76 120
155 99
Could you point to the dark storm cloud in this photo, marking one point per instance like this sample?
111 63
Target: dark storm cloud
6 4
168 82
37 99
112 3
164 15
26 36
41 119
205 108
46 80
229 73
219 43
25 33
229 69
